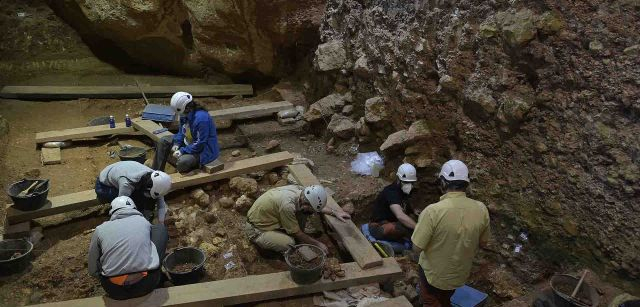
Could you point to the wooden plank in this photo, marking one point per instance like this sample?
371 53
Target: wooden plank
400 301
17 231
128 91
354 241
247 289
50 156
83 133
86 199
254 111
147 127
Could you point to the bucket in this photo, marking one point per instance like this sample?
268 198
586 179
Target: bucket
15 256
133 153
302 275
182 256
563 285
36 198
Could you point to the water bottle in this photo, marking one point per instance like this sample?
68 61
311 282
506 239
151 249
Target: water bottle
112 121
127 120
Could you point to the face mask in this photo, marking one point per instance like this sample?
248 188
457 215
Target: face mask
406 188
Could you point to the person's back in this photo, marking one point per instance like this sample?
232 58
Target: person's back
458 224
125 243
123 174
267 211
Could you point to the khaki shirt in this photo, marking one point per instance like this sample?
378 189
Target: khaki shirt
449 233
276 209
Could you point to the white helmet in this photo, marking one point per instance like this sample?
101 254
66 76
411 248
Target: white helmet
406 172
161 184
454 170
179 101
121 202
317 196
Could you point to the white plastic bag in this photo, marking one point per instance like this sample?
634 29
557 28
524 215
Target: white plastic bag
367 163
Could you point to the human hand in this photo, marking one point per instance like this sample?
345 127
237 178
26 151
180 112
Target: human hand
342 216
175 148
177 154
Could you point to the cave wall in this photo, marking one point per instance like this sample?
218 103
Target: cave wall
193 36
539 98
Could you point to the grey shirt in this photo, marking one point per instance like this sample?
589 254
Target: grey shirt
124 175
122 245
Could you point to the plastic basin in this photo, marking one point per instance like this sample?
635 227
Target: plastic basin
185 255
305 275
133 153
15 256
36 200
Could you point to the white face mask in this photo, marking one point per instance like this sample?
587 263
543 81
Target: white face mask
406 188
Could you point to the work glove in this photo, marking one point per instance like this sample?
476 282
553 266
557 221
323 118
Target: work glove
175 148
177 154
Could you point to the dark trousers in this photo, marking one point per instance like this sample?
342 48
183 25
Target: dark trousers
159 237
184 164
106 194
431 296
389 231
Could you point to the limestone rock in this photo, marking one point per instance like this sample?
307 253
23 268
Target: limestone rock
480 102
348 109
361 127
418 131
226 202
361 67
595 45
517 28
341 126
209 249
549 23
514 107
248 186
201 197
375 110
243 204
324 107
330 56
272 146
235 153
272 178
632 50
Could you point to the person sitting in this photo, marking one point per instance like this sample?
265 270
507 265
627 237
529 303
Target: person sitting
196 143
276 219
130 178
390 219
126 251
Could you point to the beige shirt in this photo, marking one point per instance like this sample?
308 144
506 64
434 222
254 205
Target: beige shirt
449 233
276 209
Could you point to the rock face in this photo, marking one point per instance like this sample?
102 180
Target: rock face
232 36
537 98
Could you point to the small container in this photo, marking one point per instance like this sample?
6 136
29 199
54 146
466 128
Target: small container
127 120
112 122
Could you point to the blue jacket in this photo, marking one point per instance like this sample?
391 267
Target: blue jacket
204 137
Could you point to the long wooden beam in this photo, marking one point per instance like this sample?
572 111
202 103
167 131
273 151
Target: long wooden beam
128 91
86 199
147 127
247 289
253 111
354 241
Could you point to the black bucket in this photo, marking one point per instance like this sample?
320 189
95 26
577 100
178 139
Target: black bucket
32 201
132 153
15 256
185 255
305 275
562 286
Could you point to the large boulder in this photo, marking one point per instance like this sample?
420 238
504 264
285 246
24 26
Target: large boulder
418 131
341 126
330 56
325 107
375 111
247 186
231 36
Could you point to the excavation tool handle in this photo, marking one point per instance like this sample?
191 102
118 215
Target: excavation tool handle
575 291
25 191
38 186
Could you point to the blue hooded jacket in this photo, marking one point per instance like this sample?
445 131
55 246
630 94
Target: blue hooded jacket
203 133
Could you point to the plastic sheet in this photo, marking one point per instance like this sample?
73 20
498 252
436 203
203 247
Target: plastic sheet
367 164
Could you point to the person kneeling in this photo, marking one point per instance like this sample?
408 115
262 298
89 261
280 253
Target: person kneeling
125 252
391 209
279 215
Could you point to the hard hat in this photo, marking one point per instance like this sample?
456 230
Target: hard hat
454 170
179 101
317 196
161 184
121 202
406 172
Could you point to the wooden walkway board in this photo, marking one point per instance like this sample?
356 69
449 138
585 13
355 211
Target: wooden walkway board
50 156
129 91
147 127
354 241
254 111
400 301
83 133
86 199
247 289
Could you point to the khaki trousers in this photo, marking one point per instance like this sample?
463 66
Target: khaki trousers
274 240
